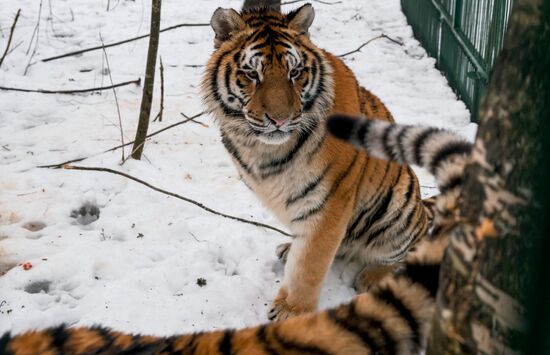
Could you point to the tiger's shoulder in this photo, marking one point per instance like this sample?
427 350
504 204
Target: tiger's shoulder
350 95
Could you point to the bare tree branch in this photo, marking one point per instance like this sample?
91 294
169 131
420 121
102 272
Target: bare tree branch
77 91
186 199
114 92
369 41
161 110
60 165
15 47
10 37
36 32
70 54
192 119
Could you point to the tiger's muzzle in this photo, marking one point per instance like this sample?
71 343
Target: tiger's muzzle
274 130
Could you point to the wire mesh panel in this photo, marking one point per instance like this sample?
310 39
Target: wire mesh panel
465 36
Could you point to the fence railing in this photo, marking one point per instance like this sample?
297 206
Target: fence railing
465 36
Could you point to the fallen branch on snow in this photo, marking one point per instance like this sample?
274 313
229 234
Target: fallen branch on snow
70 54
186 199
369 41
60 165
192 119
78 91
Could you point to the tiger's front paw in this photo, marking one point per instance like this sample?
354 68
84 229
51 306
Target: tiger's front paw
282 308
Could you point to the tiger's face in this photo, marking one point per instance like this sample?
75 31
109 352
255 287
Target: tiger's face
265 78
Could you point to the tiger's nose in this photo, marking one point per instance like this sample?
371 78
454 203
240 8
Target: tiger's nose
278 120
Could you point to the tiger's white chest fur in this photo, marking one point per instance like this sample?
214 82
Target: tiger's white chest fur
289 183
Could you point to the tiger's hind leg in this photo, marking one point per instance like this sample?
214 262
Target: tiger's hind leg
371 275
282 251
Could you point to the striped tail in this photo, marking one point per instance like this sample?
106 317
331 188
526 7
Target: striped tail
442 152
392 318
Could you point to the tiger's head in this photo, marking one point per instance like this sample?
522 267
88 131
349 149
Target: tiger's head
266 79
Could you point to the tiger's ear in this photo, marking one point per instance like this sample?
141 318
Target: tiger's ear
301 18
225 22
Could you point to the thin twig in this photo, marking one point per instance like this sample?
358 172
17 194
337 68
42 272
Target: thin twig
35 29
60 165
41 91
123 41
114 92
369 41
50 17
318 1
16 46
136 147
186 199
161 111
37 32
10 37
192 120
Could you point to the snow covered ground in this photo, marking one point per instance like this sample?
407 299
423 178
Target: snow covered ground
137 268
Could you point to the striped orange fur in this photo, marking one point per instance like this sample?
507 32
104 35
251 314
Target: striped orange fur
393 317
270 89
442 152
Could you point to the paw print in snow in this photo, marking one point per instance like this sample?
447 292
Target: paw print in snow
86 214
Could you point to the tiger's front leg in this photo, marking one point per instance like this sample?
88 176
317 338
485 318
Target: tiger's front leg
308 261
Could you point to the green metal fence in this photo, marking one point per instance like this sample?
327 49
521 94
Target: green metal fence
465 36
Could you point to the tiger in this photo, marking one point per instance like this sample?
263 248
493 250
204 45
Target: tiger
392 317
270 90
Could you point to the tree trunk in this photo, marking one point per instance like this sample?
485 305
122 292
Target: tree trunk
274 4
484 277
147 97
538 341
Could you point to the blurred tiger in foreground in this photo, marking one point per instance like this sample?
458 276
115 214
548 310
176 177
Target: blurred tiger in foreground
271 89
393 317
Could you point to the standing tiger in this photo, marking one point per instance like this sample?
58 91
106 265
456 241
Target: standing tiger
393 317
270 89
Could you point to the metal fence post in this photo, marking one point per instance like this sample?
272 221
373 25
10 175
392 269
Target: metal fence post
464 36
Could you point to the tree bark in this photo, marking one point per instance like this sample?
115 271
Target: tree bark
147 97
273 4
485 273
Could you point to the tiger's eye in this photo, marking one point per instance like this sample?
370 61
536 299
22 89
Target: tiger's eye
253 75
294 73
